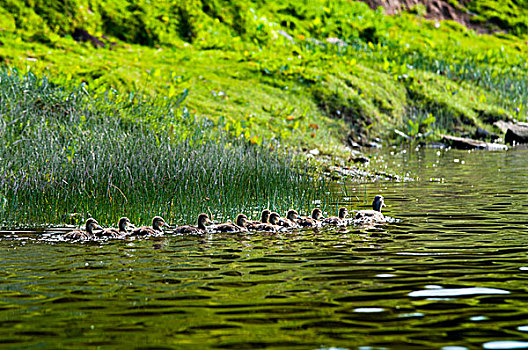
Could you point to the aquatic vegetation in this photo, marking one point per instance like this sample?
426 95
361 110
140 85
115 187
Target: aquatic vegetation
64 150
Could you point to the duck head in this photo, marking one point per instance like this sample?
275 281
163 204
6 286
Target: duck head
292 215
265 216
124 224
241 220
202 220
343 212
378 203
92 224
158 223
317 214
274 218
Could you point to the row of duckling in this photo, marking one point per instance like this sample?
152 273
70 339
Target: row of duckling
269 222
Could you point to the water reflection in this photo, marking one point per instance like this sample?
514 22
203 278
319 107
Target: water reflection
451 275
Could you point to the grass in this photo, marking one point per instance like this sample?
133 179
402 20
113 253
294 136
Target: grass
309 74
64 151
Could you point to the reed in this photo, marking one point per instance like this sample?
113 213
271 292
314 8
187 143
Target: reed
64 150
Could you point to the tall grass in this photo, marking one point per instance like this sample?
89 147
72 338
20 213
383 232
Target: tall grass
64 150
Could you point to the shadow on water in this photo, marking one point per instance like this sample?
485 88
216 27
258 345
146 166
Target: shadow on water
453 272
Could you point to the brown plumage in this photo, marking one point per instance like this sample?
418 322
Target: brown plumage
256 225
229 226
291 219
274 219
155 230
124 224
340 220
371 216
313 221
91 224
200 228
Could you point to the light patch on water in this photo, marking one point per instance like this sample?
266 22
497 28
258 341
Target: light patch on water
371 348
369 309
454 347
454 292
522 328
523 268
479 318
385 275
506 344
433 286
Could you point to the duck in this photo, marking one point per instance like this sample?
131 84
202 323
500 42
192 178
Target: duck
374 215
91 224
274 220
229 226
313 221
340 220
291 219
123 224
258 226
199 228
155 230
264 218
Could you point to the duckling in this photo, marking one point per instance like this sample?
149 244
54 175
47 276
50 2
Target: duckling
91 224
264 218
155 230
200 228
274 220
374 215
124 224
291 219
313 221
259 226
339 221
229 226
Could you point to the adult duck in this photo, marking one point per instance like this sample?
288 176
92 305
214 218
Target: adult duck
123 225
155 230
290 221
90 226
229 226
370 216
340 220
313 221
198 229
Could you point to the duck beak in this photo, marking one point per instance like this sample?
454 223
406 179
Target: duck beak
383 204
97 227
130 225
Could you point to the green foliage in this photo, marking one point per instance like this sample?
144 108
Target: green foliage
338 64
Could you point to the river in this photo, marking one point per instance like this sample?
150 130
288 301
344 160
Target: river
451 274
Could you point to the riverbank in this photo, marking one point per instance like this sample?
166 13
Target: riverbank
311 75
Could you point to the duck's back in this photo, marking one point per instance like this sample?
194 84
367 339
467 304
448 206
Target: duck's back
78 235
143 231
369 215
188 229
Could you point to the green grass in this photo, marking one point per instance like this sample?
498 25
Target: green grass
64 150
248 77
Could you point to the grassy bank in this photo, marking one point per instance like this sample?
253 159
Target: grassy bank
308 73
64 150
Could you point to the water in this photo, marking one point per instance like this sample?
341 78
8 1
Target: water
451 275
